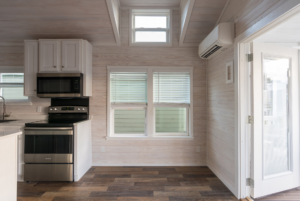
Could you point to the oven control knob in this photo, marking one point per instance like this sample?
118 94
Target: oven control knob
55 109
78 108
82 108
51 109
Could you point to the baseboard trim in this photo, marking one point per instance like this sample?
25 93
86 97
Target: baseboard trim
147 164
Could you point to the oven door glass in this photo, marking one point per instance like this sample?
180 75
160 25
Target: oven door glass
58 85
48 144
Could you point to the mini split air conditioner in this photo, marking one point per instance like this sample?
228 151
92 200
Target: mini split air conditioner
217 41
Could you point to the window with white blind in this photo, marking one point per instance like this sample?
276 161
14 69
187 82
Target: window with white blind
171 97
150 102
12 87
128 99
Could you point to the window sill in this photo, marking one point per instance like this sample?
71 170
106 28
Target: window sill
152 138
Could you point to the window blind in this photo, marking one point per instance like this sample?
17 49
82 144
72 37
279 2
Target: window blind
171 87
12 86
128 87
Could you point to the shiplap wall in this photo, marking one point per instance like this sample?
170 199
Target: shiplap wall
220 116
133 152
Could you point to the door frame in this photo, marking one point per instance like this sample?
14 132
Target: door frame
242 129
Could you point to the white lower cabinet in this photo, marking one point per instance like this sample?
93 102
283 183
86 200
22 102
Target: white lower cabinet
57 56
8 168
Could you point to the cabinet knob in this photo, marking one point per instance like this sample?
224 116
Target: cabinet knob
54 66
62 66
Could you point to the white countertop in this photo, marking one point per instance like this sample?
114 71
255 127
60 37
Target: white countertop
7 131
20 122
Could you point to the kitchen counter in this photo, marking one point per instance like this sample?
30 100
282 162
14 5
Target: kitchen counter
6 131
20 122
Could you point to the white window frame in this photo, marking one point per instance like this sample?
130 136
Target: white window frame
15 69
150 12
150 133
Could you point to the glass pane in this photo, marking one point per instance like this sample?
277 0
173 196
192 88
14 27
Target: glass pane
129 121
13 93
276 136
63 144
151 36
128 87
150 22
55 85
170 120
12 78
43 144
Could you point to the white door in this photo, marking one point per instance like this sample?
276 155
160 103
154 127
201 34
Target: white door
49 56
71 56
275 128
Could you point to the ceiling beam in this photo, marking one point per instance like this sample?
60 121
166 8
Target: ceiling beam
186 8
114 13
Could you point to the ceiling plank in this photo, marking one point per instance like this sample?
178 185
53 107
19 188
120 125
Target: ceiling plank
186 8
114 13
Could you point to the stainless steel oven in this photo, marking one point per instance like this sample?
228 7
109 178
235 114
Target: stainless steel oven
55 85
48 154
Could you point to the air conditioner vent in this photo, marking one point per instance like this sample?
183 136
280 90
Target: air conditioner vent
211 51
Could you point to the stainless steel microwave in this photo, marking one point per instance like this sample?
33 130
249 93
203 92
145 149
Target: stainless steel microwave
59 85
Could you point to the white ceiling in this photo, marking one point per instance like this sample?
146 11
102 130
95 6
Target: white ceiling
154 3
286 33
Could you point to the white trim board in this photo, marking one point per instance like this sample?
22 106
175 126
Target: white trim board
278 16
186 13
114 13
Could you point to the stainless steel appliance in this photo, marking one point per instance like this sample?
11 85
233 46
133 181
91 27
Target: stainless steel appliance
55 85
49 144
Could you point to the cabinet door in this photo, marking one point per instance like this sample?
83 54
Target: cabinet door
31 67
71 55
49 56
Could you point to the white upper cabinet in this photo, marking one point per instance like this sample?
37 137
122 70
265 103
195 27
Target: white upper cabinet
49 58
31 67
71 55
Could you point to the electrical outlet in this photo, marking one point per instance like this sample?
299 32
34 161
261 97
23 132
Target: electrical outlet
198 149
102 149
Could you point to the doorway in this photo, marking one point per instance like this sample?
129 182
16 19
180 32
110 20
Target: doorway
270 80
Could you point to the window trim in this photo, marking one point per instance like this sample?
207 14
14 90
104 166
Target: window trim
15 69
150 106
150 12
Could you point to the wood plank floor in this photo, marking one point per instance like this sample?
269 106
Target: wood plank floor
289 195
132 184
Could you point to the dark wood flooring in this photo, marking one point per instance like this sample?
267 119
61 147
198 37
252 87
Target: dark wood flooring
132 184
289 195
